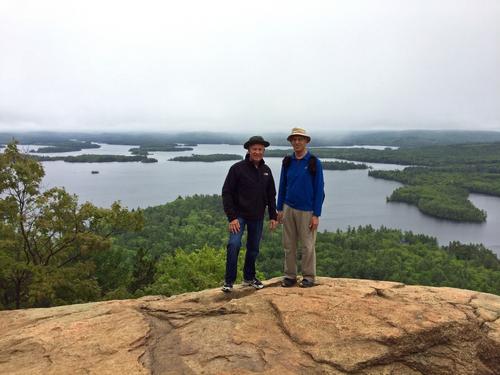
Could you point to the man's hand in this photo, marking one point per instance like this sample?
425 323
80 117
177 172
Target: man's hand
280 217
234 226
273 224
313 225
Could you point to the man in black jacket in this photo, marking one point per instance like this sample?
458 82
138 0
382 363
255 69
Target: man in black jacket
247 191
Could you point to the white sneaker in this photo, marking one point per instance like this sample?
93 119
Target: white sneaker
226 288
256 283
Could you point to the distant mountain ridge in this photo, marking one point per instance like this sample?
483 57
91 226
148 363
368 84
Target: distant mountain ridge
401 138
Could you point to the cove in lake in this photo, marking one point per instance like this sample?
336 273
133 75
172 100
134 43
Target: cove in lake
352 197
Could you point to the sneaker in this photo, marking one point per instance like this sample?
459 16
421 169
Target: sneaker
226 288
256 283
286 282
305 283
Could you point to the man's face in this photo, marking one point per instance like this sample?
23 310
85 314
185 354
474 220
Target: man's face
256 152
298 143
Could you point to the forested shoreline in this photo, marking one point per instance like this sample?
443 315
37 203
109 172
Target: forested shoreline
342 165
442 194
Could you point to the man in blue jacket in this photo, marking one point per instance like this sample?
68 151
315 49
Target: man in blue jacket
300 198
248 189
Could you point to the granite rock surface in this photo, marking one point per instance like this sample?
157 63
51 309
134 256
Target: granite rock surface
340 326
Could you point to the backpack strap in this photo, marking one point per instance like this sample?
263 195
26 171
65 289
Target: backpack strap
313 164
313 161
286 161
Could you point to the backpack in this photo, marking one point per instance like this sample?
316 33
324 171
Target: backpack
311 167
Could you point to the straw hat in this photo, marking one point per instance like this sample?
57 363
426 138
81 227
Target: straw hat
301 132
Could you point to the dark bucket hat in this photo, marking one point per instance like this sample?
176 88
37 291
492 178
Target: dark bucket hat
256 139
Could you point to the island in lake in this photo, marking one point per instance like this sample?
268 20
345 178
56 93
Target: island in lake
66 146
144 150
208 158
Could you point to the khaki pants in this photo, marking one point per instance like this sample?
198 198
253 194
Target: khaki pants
295 229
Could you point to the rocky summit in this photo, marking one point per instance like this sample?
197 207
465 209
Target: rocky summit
340 326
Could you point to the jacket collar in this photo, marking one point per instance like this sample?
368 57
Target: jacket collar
306 156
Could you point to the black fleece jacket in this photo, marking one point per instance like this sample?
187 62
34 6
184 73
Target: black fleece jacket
248 190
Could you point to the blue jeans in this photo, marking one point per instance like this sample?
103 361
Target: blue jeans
254 235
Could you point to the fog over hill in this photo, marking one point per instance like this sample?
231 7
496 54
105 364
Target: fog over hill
399 138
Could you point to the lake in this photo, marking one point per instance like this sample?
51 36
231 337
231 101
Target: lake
352 197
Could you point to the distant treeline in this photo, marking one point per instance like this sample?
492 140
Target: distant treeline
208 158
403 138
89 158
465 154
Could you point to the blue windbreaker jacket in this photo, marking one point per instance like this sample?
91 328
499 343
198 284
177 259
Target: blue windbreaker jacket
299 189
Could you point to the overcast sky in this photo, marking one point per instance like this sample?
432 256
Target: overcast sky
240 65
